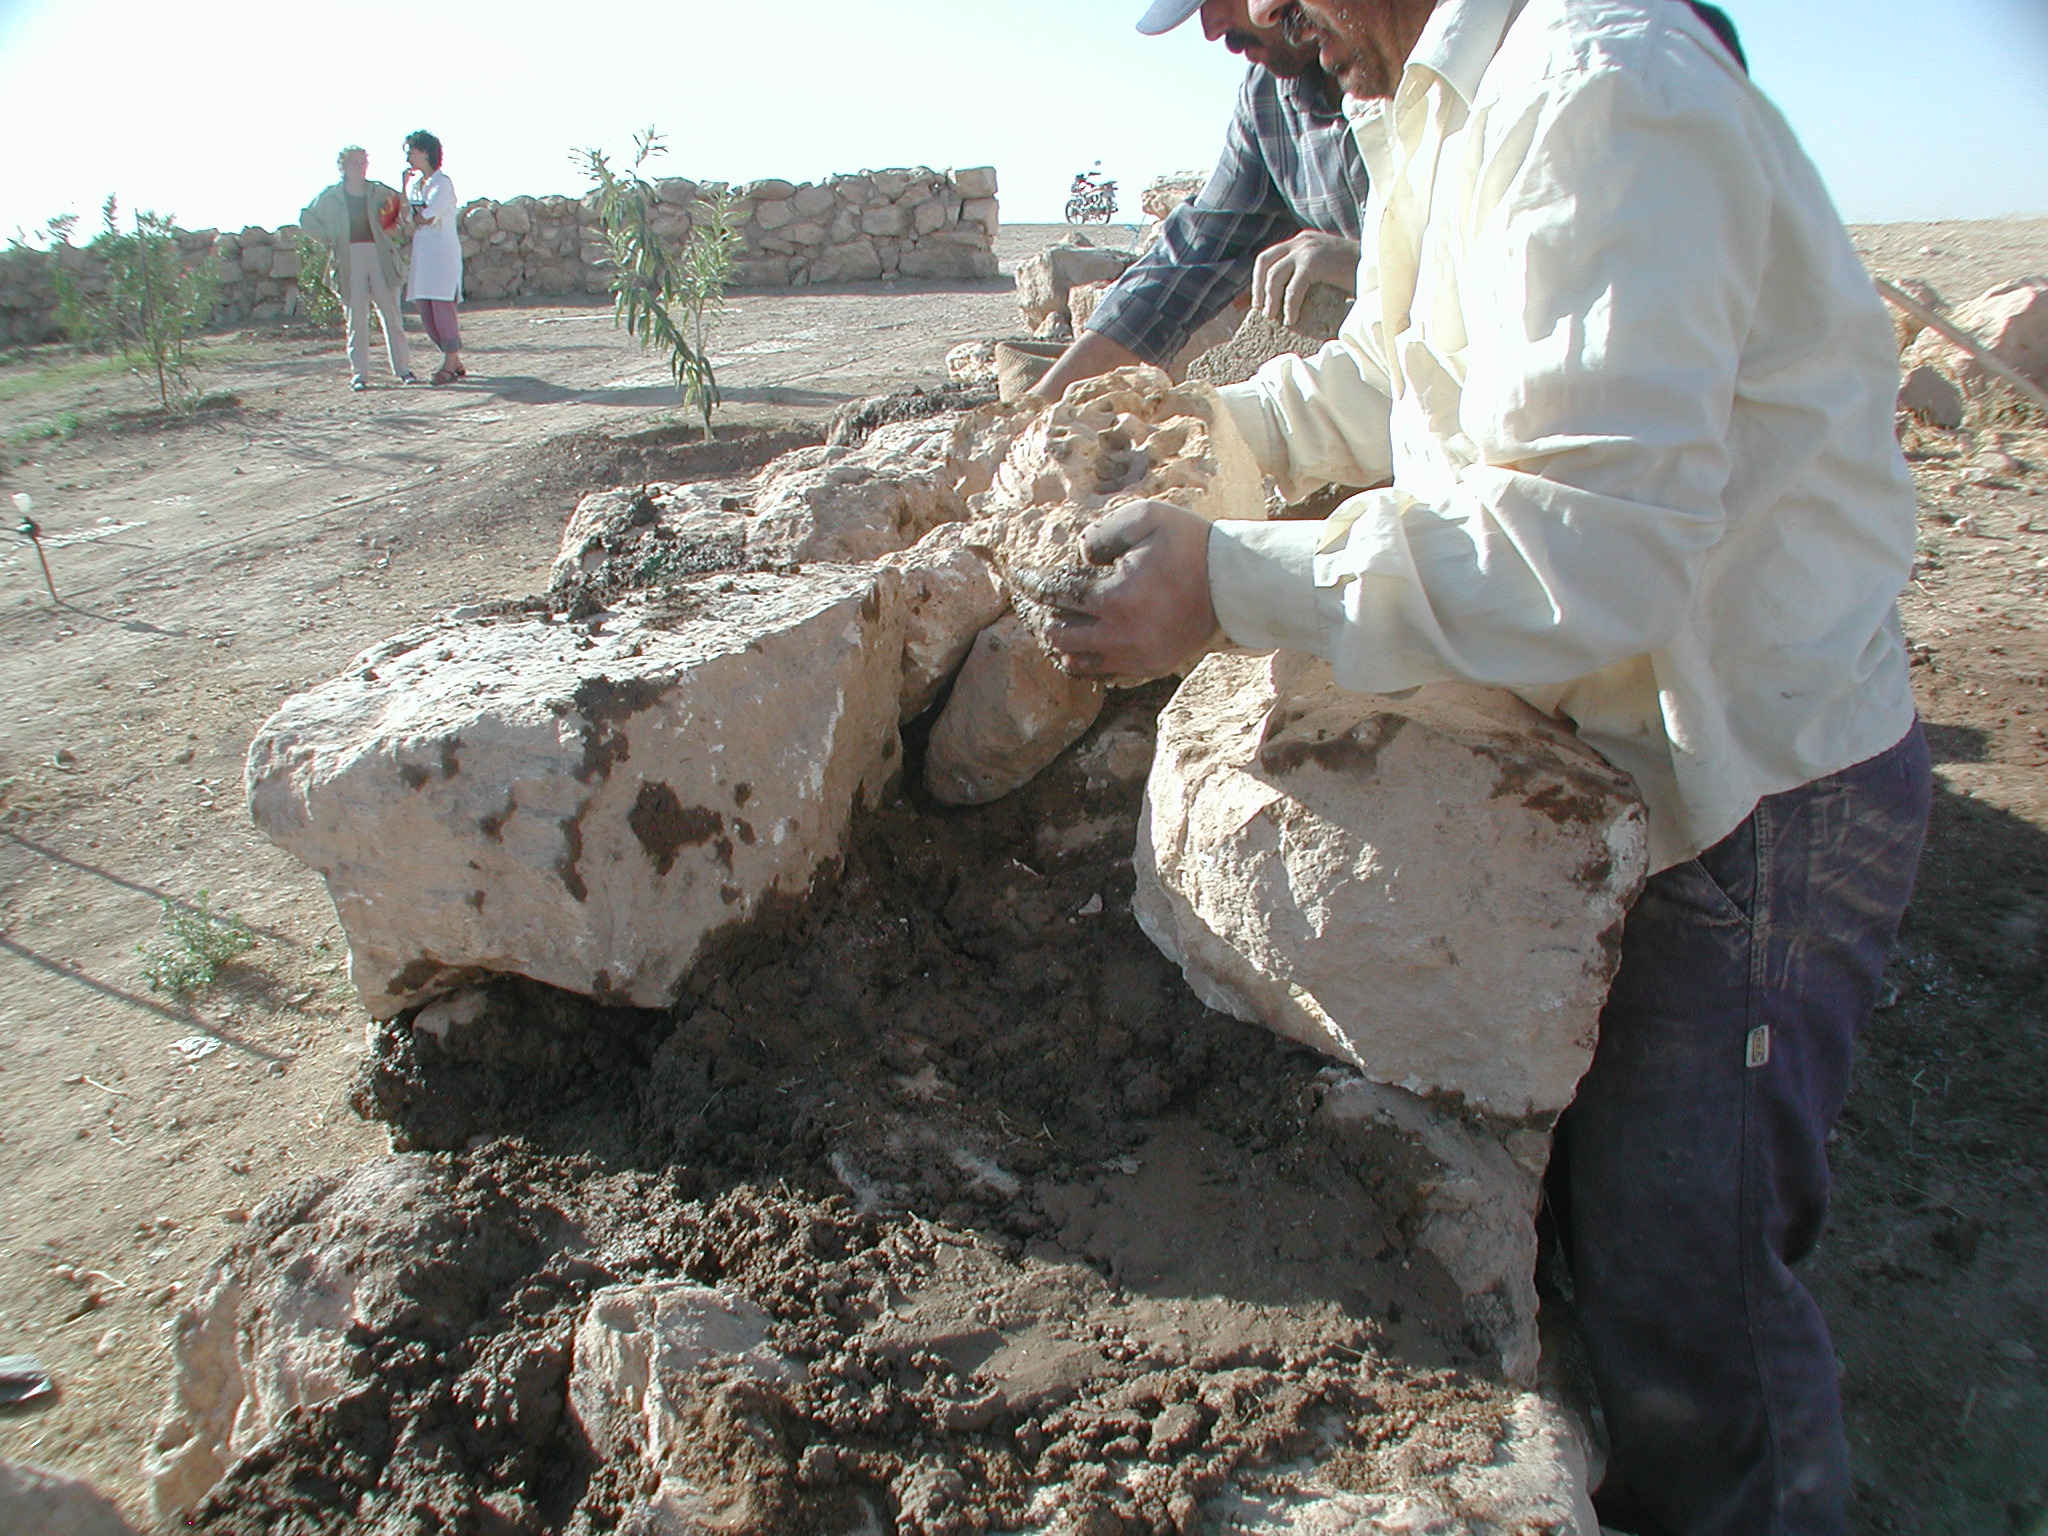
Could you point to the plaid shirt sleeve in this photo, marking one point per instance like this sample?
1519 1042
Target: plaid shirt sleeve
1283 169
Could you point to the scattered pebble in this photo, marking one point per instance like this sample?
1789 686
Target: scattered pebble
195 1048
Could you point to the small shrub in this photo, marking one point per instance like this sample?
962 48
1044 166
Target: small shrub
318 301
195 944
151 305
666 299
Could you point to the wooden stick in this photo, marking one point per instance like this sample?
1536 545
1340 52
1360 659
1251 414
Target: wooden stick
1962 338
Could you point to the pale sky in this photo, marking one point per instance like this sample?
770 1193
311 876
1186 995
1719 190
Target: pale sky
228 112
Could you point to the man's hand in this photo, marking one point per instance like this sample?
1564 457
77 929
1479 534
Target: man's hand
1283 273
1150 614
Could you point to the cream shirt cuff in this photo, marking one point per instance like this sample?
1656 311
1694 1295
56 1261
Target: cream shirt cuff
1263 586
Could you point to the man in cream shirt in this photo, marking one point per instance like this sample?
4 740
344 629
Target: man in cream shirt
1633 394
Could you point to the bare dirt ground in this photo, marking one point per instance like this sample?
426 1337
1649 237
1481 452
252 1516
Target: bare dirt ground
215 563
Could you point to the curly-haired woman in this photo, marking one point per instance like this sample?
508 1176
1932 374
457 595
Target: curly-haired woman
435 285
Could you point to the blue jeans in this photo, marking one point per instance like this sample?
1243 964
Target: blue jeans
1691 1172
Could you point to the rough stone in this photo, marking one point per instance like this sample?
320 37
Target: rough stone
950 595
267 1328
586 805
638 536
1011 713
1257 340
855 261
1167 193
811 200
1128 435
774 215
1931 395
908 477
515 217
1044 280
1431 888
976 181
983 211
36 1502
2011 320
946 261
885 220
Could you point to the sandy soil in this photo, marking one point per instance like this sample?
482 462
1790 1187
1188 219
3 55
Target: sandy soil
213 564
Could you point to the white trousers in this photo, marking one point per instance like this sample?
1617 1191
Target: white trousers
366 281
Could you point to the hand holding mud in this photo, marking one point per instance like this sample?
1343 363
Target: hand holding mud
1149 614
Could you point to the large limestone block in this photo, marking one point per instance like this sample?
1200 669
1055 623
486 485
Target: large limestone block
976 181
2012 322
857 504
586 805
950 595
1431 888
1011 713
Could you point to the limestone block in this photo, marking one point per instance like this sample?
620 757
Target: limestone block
516 216
1044 280
586 805
638 536
1126 436
1167 193
972 362
855 261
774 215
1431 888
811 201
2012 322
267 1329
1476 1187
677 191
1254 340
856 504
852 191
1928 393
1081 301
885 220
662 1374
770 190
982 211
891 184
764 271
932 259
804 232
950 595
256 256
1011 713
36 1502
284 263
929 217
976 181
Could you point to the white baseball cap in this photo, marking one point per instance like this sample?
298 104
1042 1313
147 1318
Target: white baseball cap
1165 15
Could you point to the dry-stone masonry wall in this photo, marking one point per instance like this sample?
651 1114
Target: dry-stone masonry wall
909 222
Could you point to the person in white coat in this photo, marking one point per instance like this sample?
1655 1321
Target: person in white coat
435 285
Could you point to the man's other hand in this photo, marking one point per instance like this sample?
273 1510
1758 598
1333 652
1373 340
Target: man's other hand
1283 273
1149 614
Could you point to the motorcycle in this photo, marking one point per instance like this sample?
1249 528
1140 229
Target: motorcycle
1091 200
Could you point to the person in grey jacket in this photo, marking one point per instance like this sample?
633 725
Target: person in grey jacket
363 263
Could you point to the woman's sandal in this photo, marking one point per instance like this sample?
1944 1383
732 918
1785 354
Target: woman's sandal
444 376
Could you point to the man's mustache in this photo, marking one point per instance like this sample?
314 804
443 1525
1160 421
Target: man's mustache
1237 40
1299 29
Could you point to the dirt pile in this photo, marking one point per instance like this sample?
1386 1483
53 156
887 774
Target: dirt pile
1054 1245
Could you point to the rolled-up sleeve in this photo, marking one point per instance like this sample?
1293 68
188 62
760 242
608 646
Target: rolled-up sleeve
1571 455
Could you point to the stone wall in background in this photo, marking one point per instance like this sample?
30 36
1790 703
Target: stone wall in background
914 222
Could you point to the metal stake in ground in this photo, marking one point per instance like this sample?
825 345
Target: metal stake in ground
27 528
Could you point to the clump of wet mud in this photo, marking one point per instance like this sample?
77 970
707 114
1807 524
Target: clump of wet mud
1050 1245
